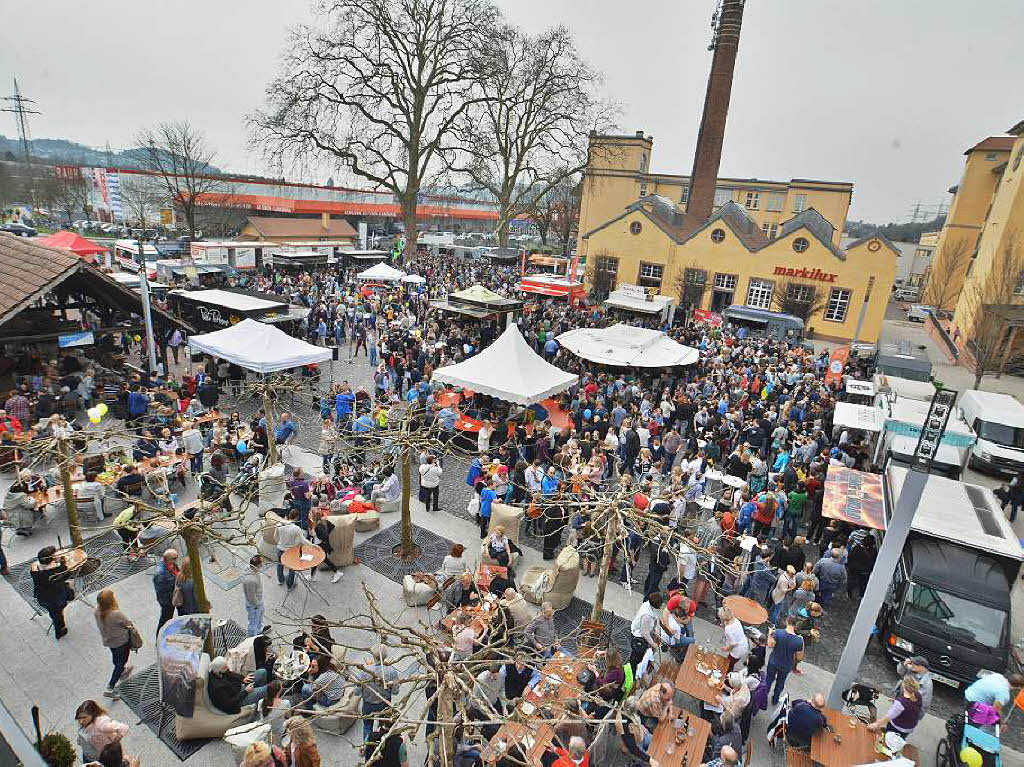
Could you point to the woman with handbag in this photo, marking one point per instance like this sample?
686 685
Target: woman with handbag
50 586
116 633
184 595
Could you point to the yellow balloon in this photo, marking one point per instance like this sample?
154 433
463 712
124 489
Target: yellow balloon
93 420
970 757
102 409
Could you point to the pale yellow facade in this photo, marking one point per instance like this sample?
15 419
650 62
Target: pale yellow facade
737 271
618 174
961 234
995 274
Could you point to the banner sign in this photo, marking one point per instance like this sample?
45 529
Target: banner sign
67 340
179 649
714 319
836 365
854 497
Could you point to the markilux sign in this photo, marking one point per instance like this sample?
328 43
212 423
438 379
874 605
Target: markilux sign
810 274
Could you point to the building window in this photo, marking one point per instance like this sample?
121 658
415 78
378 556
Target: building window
635 227
1018 289
764 228
871 286
773 231
838 304
800 293
695 277
717 235
753 200
643 164
990 156
776 201
725 282
608 266
759 293
722 196
799 203
800 244
643 189
684 195
650 275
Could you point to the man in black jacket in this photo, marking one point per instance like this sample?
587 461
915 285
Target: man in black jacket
517 678
229 692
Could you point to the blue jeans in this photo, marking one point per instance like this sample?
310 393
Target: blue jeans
120 657
369 709
259 687
281 570
790 525
373 354
254 613
196 460
776 612
321 700
776 675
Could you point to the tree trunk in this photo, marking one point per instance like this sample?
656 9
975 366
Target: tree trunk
271 442
408 545
979 372
411 233
74 526
502 232
611 530
195 558
445 748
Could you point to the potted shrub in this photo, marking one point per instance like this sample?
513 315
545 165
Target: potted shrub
57 750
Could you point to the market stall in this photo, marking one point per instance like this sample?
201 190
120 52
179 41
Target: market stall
637 299
76 243
627 346
381 273
212 309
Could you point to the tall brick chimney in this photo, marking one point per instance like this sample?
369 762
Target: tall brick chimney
708 154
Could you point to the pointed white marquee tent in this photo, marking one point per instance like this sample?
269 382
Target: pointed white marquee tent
627 346
258 346
509 370
381 273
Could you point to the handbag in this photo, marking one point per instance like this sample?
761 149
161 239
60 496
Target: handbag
177 598
134 637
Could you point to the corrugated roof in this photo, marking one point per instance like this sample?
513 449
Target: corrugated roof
29 270
270 226
993 144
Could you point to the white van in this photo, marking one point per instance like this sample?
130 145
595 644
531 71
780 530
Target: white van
906 294
918 312
998 420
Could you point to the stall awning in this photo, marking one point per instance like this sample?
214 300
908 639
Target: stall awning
258 346
74 242
863 417
635 304
510 370
466 309
381 272
626 346
855 497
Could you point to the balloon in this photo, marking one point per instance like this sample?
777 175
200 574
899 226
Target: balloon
242 447
587 414
94 415
138 339
970 757
102 408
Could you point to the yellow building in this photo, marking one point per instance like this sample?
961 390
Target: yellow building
655 244
618 174
961 234
995 273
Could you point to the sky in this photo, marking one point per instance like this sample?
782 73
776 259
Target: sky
883 94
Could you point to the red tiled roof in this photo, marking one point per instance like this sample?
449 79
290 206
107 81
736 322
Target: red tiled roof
993 144
28 270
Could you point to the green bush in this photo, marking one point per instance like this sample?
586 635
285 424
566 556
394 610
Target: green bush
57 750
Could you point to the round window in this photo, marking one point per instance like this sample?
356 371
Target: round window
800 244
717 235
635 227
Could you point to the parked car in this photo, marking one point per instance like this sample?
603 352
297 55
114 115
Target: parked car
19 229
918 312
906 294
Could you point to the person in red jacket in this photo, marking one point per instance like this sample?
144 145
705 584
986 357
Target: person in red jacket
574 756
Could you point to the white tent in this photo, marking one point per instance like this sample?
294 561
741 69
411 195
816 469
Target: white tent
862 417
414 279
381 273
509 370
258 346
626 346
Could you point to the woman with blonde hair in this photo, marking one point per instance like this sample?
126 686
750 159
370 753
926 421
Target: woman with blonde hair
115 631
184 597
260 754
302 750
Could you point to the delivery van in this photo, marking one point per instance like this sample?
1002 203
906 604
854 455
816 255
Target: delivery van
949 598
998 420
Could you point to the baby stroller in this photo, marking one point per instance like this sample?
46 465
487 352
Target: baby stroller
860 700
961 734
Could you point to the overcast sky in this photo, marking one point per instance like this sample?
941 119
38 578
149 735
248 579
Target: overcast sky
884 94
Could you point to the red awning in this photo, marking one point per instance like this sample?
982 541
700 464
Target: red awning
74 242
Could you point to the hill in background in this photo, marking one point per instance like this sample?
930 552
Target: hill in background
895 232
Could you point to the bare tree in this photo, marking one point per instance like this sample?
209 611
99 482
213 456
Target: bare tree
800 299
529 132
690 284
378 92
556 213
991 341
945 278
180 157
141 198
68 194
600 280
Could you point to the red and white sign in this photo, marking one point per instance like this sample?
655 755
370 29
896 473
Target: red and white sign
714 319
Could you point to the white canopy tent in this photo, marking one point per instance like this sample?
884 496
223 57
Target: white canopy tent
627 346
414 279
509 370
258 346
381 273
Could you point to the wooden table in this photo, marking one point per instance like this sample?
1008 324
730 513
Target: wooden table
485 574
292 558
746 610
692 748
857 746
481 615
518 733
557 681
693 683
211 418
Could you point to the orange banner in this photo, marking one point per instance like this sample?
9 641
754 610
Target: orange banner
836 365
